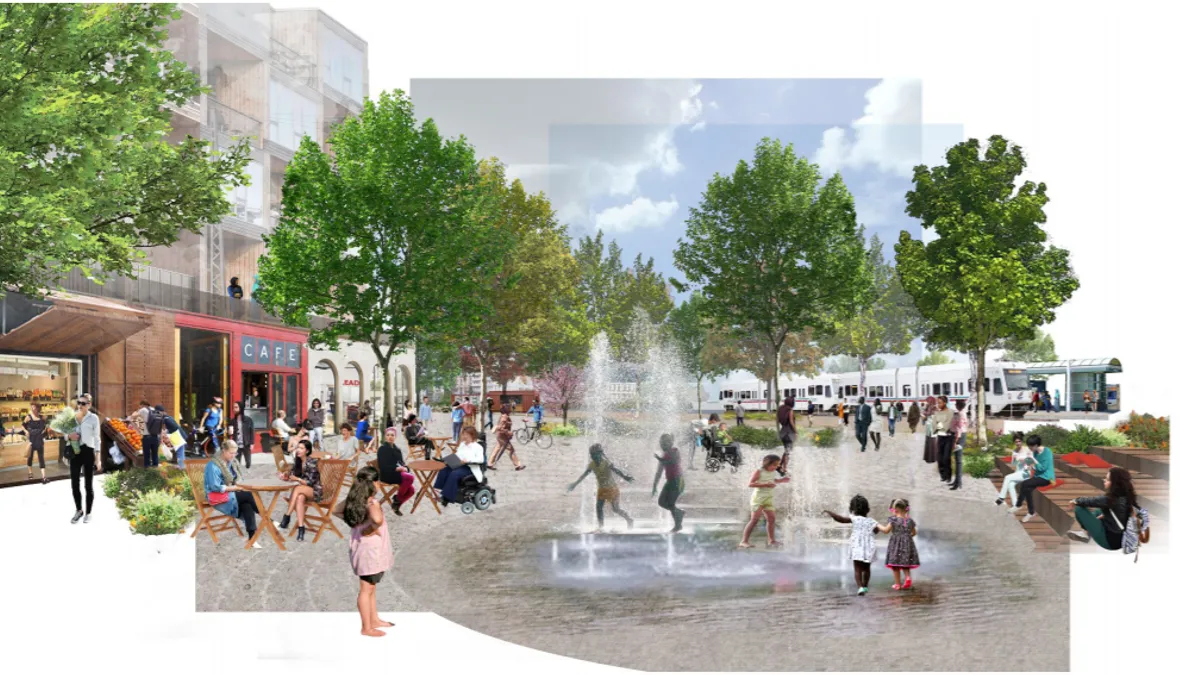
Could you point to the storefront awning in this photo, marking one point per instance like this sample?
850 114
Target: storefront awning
76 325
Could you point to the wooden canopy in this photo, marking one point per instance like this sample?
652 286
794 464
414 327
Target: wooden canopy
76 325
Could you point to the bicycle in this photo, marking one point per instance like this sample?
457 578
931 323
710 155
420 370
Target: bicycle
540 438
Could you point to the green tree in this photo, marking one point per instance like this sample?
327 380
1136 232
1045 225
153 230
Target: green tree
87 177
689 331
884 325
391 238
437 367
935 358
523 292
851 364
772 251
990 275
729 349
602 280
1036 349
570 343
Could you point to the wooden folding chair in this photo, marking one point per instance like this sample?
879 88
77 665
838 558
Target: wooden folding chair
210 519
333 471
389 490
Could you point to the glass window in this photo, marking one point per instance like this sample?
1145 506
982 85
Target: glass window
907 390
292 116
987 385
343 65
828 389
996 386
247 200
1017 380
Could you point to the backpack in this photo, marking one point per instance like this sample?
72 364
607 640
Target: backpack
1137 530
154 423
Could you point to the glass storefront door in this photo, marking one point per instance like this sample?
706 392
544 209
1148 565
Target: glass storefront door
203 371
285 396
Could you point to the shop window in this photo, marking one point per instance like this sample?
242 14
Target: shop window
203 371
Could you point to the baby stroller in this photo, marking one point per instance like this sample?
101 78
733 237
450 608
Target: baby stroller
717 455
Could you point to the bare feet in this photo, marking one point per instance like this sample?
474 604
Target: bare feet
384 624
774 544
374 632
745 545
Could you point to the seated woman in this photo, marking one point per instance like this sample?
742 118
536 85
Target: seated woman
1022 462
393 470
728 444
307 475
1105 517
471 454
346 446
414 433
224 494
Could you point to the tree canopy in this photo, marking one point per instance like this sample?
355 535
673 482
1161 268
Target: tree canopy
772 250
390 239
935 358
612 293
87 177
1036 349
990 274
850 364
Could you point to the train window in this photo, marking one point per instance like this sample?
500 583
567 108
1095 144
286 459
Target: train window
829 391
907 389
946 388
987 385
839 392
996 387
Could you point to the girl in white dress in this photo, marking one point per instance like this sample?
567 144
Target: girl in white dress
876 428
862 539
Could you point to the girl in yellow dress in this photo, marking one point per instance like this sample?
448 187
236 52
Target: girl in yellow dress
762 500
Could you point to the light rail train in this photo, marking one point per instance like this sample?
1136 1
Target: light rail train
1006 388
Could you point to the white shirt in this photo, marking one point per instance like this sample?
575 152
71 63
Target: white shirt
282 427
89 431
472 453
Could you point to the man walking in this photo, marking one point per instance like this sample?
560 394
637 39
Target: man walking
739 411
86 461
862 422
456 420
892 414
425 413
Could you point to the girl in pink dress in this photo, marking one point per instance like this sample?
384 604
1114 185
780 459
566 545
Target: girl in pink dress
370 546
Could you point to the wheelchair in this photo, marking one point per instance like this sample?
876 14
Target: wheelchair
473 494
715 454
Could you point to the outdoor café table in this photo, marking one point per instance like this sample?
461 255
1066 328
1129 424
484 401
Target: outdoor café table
426 470
276 487
439 443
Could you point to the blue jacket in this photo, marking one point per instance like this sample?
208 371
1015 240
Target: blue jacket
361 434
1045 464
536 411
214 481
458 414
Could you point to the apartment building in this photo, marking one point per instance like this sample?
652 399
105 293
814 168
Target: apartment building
172 334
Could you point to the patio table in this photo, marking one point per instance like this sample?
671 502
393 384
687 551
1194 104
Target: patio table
276 487
426 470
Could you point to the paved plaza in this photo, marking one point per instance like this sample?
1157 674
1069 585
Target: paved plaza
489 572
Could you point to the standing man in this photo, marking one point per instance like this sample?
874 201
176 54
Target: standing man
537 412
958 427
457 414
87 460
739 411
489 414
862 422
138 419
152 440
1087 401
425 413
812 408
892 414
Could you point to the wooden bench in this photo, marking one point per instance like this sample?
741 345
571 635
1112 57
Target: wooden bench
1054 505
1154 463
1153 494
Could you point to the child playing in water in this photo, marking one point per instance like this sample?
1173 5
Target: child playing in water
606 486
862 539
672 465
762 499
902 550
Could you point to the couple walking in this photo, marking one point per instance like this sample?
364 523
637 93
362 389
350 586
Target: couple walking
868 424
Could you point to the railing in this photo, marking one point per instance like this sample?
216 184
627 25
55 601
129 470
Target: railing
229 122
293 63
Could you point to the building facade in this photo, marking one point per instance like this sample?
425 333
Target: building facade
173 335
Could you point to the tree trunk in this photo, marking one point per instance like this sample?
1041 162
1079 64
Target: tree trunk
862 376
699 396
775 376
565 407
981 408
384 364
483 375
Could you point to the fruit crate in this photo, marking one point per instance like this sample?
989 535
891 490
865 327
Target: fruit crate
117 437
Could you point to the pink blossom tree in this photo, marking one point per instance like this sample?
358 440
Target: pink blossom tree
561 388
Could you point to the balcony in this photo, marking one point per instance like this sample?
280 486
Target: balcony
228 122
293 64
241 24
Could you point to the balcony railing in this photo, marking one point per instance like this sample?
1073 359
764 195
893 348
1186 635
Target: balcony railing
229 122
294 64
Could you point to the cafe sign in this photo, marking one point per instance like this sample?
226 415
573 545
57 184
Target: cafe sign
266 352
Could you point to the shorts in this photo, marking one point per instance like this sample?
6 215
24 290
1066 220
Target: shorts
763 500
608 494
372 578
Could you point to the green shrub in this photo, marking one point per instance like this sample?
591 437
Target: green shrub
1079 440
569 430
180 484
1114 439
139 479
979 466
127 504
160 512
1052 435
827 438
112 485
755 436
760 416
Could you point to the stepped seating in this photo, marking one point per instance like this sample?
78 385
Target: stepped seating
1153 463
1153 493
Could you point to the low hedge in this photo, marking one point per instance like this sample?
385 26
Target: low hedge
979 466
755 436
827 437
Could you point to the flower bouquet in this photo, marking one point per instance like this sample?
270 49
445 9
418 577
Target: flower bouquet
65 424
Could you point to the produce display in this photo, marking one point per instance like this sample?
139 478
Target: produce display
131 436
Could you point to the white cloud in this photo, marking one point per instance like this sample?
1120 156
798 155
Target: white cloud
640 213
698 126
887 136
878 204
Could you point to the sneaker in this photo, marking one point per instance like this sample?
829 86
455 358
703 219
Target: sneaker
1081 537
1000 501
87 518
78 516
256 545
1013 510
862 591
1028 517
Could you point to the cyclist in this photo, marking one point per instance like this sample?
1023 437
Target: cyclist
537 412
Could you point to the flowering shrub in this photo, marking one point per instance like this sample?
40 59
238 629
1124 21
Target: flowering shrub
1079 440
1148 431
827 437
160 512
1114 439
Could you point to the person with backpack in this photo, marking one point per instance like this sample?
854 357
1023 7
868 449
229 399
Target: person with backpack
241 431
1106 518
152 439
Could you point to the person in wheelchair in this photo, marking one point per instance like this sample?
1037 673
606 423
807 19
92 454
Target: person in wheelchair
471 458
731 448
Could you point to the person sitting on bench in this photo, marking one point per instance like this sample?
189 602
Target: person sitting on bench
1105 517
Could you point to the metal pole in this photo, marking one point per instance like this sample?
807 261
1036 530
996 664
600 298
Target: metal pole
1068 385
